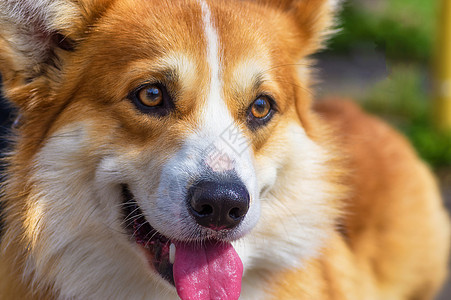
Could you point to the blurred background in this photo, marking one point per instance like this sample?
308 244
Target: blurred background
389 56
384 58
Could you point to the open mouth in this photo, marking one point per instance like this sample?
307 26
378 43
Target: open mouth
159 250
208 270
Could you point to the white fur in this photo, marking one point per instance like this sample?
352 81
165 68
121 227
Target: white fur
212 40
77 239
335 3
183 65
249 70
294 221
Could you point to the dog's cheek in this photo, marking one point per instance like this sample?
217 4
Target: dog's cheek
271 158
88 168
298 211
140 169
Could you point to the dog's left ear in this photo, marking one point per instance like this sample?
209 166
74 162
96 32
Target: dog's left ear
313 21
36 37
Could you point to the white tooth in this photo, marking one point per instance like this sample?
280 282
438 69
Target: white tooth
172 253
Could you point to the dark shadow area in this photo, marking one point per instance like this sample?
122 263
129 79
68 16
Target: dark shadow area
5 122
5 125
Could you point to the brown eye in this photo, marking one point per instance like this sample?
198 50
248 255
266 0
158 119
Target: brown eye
152 99
261 108
150 96
260 112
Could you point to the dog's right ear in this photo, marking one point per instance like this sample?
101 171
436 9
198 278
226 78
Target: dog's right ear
312 20
35 38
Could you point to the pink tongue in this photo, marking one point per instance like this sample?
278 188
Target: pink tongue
210 271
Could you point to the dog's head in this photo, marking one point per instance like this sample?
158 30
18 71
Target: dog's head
153 135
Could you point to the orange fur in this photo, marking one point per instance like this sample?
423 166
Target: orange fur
384 231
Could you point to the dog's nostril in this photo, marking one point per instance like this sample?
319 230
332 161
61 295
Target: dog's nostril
205 210
235 213
218 204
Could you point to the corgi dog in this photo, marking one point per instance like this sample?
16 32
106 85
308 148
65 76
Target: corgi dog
172 149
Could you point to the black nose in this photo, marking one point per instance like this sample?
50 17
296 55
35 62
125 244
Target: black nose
218 205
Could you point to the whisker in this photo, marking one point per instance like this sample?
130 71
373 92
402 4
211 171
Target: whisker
148 240
131 216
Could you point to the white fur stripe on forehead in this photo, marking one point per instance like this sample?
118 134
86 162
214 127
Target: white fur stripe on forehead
215 103
212 39
216 119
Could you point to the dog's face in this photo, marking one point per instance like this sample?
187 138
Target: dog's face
160 134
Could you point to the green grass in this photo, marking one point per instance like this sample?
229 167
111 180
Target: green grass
403 29
402 99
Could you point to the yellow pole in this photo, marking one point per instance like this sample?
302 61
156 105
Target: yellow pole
443 68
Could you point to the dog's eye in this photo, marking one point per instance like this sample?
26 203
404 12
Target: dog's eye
260 111
261 107
150 96
152 99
